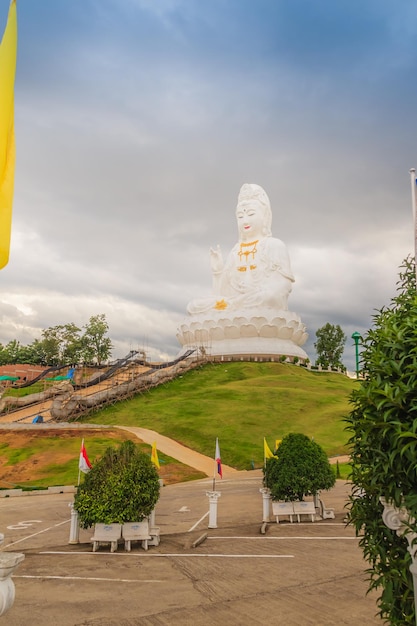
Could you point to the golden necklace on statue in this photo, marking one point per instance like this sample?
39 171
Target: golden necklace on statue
246 254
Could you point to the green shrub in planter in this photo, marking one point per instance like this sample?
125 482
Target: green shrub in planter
301 468
383 429
122 486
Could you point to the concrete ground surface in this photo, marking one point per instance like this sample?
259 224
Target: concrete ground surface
300 573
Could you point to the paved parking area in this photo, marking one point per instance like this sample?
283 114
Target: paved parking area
307 573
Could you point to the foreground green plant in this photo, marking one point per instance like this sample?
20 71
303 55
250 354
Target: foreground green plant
122 486
383 429
300 468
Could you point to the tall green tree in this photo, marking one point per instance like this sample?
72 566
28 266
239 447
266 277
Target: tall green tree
3 355
97 346
61 344
383 441
26 355
37 353
13 351
330 345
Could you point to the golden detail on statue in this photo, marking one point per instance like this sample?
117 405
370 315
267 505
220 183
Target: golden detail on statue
220 305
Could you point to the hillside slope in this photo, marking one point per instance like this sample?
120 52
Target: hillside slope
241 403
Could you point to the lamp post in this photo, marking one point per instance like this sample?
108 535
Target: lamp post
414 205
356 336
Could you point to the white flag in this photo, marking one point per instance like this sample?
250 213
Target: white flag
84 464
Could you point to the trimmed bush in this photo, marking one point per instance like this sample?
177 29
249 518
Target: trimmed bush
300 468
122 486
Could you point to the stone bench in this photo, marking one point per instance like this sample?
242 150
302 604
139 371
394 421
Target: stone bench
137 531
304 508
290 509
106 533
280 509
326 511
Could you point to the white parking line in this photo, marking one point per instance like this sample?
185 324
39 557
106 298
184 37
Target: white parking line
263 538
199 522
112 580
34 534
146 555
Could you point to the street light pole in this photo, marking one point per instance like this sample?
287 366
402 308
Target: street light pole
413 202
356 336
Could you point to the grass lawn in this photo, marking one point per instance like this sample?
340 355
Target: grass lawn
240 403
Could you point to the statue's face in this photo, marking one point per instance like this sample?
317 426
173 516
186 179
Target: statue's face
250 221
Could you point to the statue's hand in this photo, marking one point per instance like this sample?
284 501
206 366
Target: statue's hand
216 260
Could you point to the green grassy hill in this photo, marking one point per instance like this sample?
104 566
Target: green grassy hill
241 403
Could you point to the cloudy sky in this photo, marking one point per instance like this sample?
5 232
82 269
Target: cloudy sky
137 122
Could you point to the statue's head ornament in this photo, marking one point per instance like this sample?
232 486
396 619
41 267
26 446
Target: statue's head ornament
251 193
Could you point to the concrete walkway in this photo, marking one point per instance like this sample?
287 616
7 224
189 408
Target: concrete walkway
179 452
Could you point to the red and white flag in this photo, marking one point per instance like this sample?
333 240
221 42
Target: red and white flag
84 463
218 459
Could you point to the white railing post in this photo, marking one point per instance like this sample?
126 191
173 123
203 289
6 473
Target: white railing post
266 501
74 526
213 497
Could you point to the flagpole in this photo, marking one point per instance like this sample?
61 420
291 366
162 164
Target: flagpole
79 468
214 472
413 200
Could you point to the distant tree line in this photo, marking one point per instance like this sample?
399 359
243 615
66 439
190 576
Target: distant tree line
63 344
67 344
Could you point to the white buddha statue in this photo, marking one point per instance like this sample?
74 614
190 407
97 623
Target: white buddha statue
247 313
257 272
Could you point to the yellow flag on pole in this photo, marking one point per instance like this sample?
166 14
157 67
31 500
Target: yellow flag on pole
154 455
8 53
267 451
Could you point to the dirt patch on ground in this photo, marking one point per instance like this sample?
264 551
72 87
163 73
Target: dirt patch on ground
20 439
34 468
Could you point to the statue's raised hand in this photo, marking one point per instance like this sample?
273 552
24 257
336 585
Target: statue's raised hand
216 260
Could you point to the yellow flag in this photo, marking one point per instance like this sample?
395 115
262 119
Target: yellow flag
277 442
267 451
8 53
154 455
